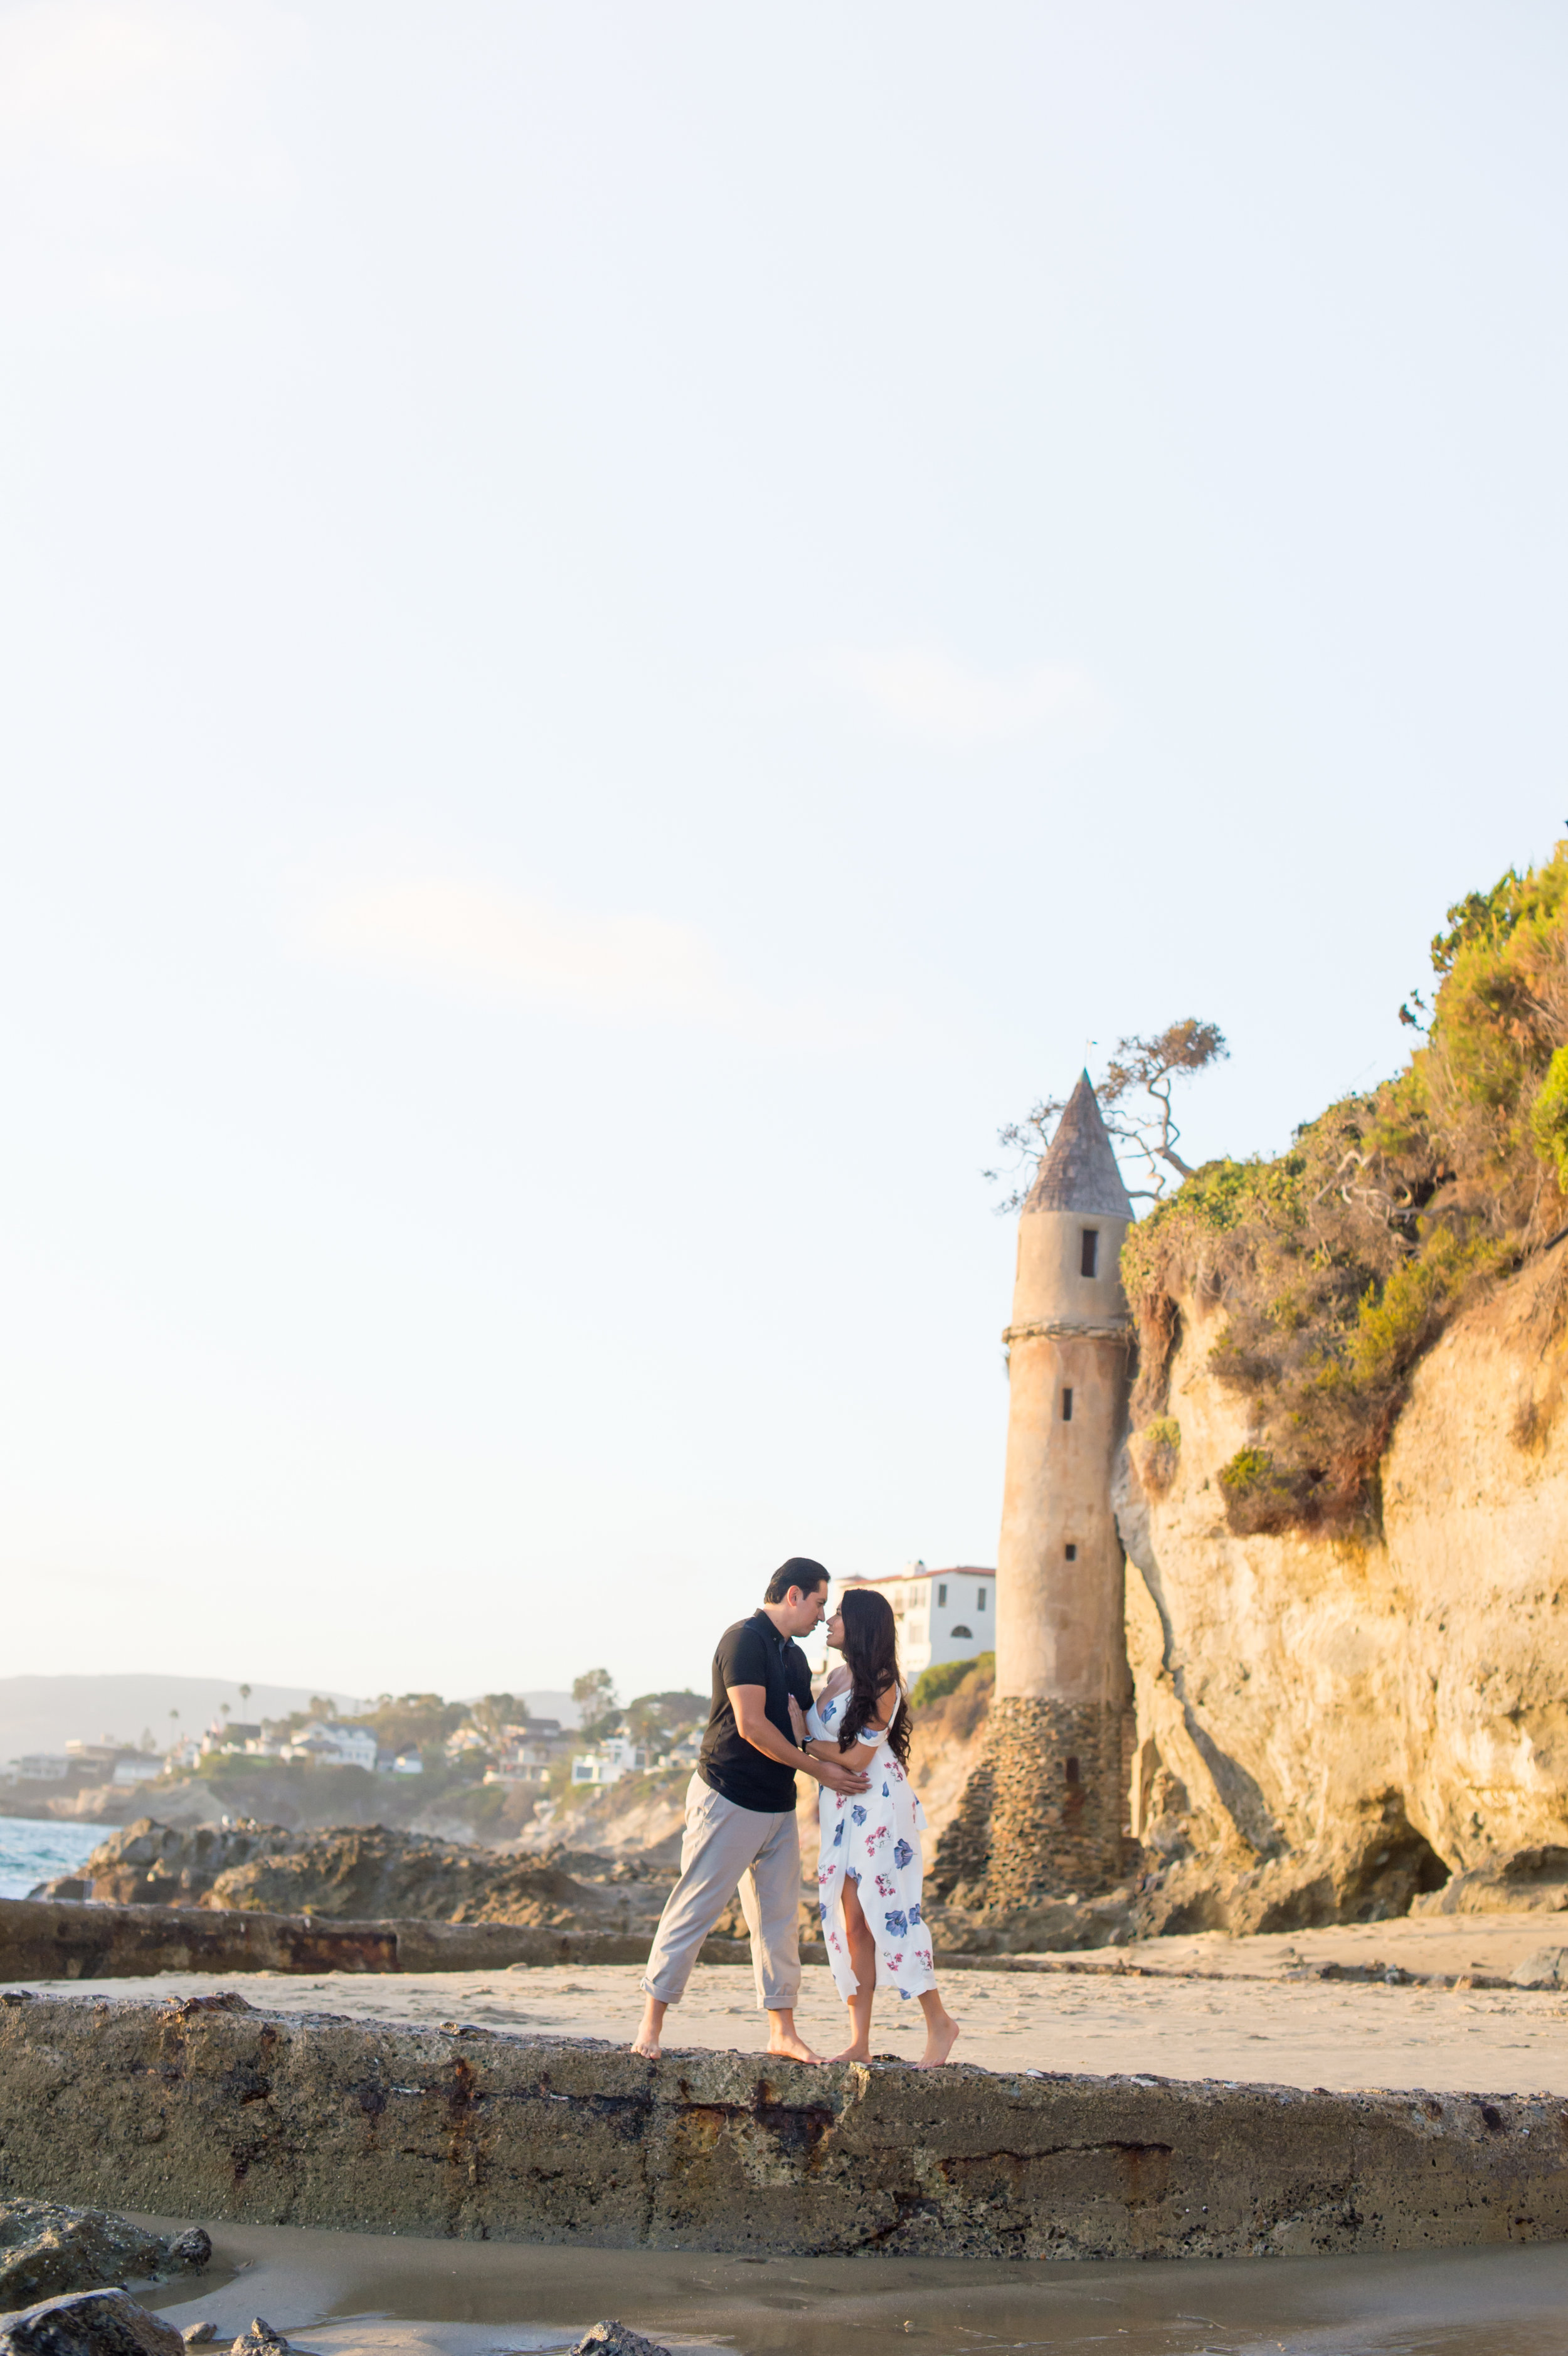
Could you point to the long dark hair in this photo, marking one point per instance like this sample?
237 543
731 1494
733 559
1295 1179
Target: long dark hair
872 1658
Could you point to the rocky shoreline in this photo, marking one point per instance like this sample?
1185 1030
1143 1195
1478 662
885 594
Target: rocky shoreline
364 1873
42 1939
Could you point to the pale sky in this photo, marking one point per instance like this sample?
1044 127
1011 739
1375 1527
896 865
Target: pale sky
627 626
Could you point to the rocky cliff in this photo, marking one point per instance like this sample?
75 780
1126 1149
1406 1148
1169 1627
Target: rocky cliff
1337 1728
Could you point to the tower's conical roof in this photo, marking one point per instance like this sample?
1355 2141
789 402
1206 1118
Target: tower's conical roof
1078 1172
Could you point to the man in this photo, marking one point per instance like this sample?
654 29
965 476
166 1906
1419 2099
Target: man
740 1812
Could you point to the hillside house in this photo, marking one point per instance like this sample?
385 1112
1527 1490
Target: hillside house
610 1760
331 1744
941 1615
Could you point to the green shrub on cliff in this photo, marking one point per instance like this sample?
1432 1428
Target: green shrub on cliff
934 1685
1549 1117
1338 1263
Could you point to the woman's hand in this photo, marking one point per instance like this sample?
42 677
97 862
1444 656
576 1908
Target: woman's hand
797 1723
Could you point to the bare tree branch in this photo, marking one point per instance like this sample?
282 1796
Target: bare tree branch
1135 1100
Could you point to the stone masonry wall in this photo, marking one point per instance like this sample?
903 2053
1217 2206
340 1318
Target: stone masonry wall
1057 1804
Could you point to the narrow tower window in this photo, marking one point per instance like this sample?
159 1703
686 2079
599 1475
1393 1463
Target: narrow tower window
1089 1260
941 1594
1067 1404
979 1598
1071 1554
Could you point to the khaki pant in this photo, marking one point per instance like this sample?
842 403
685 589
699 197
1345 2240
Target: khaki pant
724 1846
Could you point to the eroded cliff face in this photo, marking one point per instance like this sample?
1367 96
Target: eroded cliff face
1332 1730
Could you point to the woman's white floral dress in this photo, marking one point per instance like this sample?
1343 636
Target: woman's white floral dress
872 1838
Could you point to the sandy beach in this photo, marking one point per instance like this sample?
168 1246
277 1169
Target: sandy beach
1200 2007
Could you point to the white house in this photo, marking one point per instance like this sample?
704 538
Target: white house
227 1734
614 1758
331 1744
521 1761
139 1767
941 1615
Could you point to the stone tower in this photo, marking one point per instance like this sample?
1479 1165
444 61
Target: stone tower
1055 1752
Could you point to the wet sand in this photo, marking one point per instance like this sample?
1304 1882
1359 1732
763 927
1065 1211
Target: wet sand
1427 1945
1203 2008
358 2294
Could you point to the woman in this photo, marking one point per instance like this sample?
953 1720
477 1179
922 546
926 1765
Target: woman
869 1877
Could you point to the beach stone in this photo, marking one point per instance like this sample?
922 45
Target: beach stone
88 2323
48 2250
260 2340
1547 1968
196 2335
613 2338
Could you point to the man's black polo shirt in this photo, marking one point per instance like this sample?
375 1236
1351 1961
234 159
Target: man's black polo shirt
752 1653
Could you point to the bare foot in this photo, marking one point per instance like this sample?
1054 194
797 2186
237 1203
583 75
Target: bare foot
941 2037
852 2053
787 2045
646 2040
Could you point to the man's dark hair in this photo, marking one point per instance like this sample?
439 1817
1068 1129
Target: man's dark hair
798 1571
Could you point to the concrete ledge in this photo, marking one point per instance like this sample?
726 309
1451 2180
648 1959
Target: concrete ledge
54 1939
209 2109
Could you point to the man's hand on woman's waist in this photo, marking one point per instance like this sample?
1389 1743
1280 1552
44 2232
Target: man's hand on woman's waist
750 1704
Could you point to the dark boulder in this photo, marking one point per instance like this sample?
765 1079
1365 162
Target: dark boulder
88 2323
47 2251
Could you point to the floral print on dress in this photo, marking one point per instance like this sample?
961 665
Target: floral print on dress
888 1821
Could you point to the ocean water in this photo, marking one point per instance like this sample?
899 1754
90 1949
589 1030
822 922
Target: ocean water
37 1848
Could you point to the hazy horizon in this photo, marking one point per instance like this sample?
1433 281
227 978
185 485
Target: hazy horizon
43 1713
628 629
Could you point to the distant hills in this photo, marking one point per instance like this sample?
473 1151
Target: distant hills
46 1713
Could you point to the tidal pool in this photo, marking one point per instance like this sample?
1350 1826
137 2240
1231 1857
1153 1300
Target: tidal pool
372 2294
